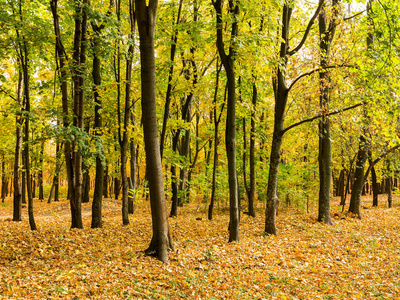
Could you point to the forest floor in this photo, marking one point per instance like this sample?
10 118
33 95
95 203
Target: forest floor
353 259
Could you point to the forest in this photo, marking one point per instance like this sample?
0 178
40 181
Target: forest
201 129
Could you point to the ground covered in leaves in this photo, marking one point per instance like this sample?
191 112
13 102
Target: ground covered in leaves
353 259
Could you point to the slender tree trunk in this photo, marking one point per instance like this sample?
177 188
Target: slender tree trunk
27 109
98 124
161 240
228 60
355 200
362 155
389 184
40 173
217 120
174 179
3 179
105 183
374 187
341 186
168 95
281 92
325 150
252 189
17 210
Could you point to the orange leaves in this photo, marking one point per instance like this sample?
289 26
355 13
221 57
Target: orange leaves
354 259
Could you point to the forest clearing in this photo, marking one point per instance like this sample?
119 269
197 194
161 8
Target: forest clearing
353 259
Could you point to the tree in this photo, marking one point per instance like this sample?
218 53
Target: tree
326 32
228 61
281 93
146 21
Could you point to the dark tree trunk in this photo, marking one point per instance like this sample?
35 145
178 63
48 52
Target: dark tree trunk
341 186
40 173
105 183
73 159
174 179
85 186
23 183
17 208
389 184
252 190
33 186
325 150
362 155
3 179
100 179
123 137
281 92
117 188
161 240
216 142
375 187
27 109
168 95
355 200
228 60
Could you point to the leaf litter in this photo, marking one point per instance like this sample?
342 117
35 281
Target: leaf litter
353 259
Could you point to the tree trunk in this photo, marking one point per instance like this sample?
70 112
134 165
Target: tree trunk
325 150
105 183
17 208
27 108
40 173
174 178
341 187
161 240
3 179
228 60
252 175
375 187
216 141
168 95
389 184
281 92
100 180
85 186
355 200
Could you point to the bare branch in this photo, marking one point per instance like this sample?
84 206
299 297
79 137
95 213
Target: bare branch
308 29
379 158
320 116
354 16
7 93
317 70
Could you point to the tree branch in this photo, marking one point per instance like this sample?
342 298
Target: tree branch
320 116
7 93
354 16
308 29
379 158
317 70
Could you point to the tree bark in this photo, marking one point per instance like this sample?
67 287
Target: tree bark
374 187
389 184
355 200
325 150
3 179
228 60
161 240
40 173
217 120
281 92
252 188
98 124
168 95
17 204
